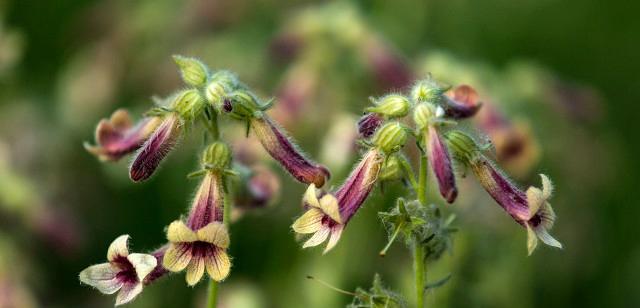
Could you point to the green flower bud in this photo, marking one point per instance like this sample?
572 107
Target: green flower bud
423 113
194 72
462 146
221 83
217 156
241 104
391 170
390 137
189 104
427 90
392 106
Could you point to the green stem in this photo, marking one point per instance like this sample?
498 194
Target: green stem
406 167
422 181
419 269
383 252
212 300
418 251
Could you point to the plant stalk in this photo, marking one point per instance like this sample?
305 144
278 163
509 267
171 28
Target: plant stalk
418 252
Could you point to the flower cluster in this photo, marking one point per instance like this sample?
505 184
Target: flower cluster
200 242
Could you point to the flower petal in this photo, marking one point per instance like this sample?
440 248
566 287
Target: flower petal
118 248
309 222
177 257
318 237
214 233
547 187
218 265
329 205
310 197
128 292
143 264
102 277
195 270
178 232
336 232
532 240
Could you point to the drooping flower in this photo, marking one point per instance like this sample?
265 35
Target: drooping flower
156 148
327 213
369 123
427 119
530 208
185 106
118 136
201 243
124 271
244 106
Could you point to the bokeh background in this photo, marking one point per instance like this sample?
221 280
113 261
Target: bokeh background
565 72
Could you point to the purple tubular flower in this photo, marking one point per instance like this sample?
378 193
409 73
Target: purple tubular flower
461 102
257 190
368 124
156 148
117 136
438 155
530 209
328 214
278 145
124 272
208 205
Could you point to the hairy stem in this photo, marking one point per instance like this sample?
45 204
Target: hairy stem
418 251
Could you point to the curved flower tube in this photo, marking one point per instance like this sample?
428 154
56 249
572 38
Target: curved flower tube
328 214
118 136
530 209
124 272
280 147
156 148
440 162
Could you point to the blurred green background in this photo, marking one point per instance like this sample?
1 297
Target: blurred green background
567 69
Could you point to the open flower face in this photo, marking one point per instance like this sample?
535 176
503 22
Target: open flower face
198 250
118 136
327 214
124 272
156 148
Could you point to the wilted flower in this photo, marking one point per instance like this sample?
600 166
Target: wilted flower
369 123
202 242
328 214
530 209
118 136
461 102
124 271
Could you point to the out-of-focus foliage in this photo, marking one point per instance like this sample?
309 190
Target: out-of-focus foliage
564 74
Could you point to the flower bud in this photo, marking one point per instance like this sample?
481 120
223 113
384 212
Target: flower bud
392 106
438 155
462 146
390 138
391 170
241 105
221 84
427 90
368 124
189 104
216 156
156 148
194 72
423 113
